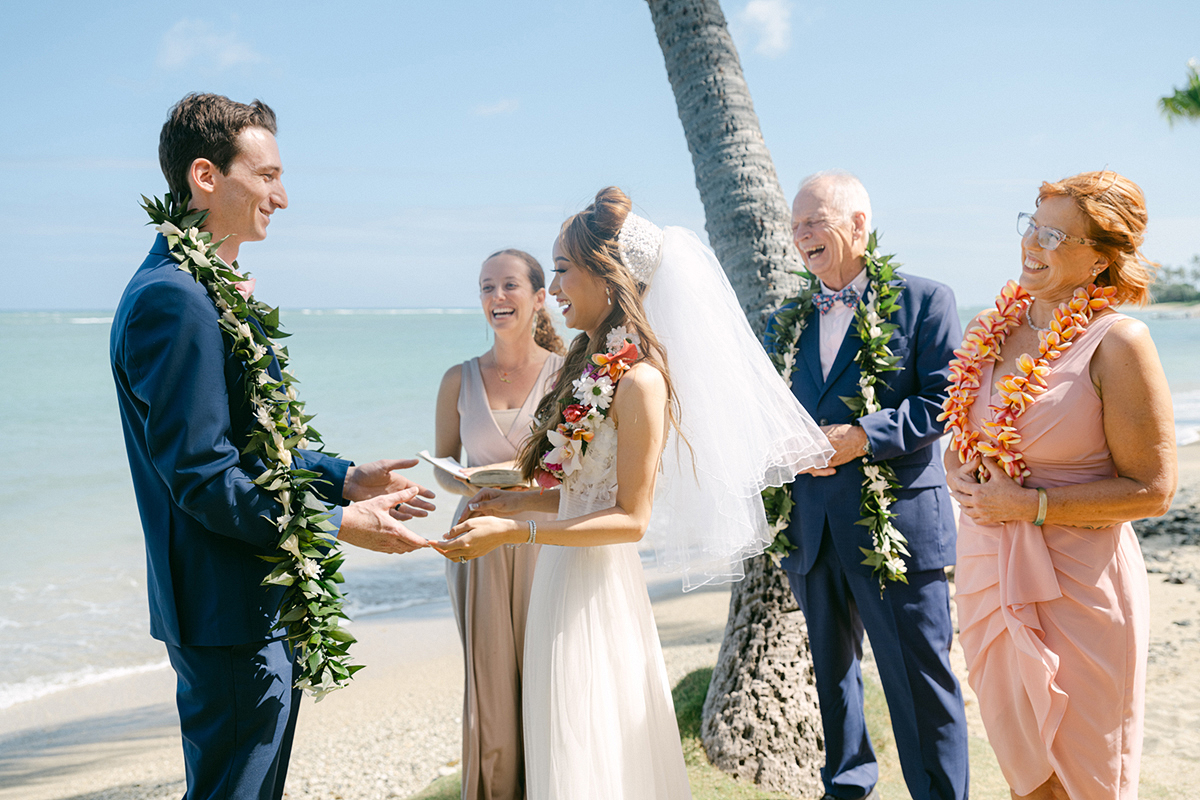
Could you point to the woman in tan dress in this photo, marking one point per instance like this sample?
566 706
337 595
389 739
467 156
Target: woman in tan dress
1062 433
485 406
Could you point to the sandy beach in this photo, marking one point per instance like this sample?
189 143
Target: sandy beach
397 728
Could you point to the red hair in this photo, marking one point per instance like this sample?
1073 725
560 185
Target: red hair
1115 209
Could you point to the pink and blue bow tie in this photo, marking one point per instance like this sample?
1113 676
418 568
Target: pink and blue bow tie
847 297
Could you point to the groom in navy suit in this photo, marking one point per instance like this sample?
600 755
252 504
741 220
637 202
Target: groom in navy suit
909 624
186 420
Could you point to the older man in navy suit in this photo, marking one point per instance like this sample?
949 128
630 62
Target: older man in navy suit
186 420
908 623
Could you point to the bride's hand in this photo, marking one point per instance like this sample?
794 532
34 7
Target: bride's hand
493 503
478 536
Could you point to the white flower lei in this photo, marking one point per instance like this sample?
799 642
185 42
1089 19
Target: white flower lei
874 358
309 557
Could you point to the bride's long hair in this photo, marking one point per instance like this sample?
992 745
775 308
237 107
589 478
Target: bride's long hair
589 240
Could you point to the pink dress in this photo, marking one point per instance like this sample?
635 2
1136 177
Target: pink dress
1054 619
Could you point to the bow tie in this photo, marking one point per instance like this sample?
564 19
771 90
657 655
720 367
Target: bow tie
847 297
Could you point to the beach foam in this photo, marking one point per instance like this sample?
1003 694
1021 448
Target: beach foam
1187 417
40 686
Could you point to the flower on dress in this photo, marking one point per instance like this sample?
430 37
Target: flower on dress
575 412
594 391
614 364
566 453
618 337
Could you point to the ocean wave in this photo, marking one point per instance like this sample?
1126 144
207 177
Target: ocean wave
1187 416
358 610
91 320
41 685
380 312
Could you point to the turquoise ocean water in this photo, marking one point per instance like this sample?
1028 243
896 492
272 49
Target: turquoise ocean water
72 588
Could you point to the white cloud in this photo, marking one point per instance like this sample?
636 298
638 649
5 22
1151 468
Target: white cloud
506 106
770 22
193 42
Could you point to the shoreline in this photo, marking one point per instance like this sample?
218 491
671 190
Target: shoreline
391 733
397 728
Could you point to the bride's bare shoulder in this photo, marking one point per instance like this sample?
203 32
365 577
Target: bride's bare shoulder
642 387
645 377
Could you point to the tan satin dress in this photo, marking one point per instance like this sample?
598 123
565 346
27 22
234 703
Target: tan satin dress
490 596
1055 619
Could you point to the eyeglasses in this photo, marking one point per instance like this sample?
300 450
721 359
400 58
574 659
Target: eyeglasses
1047 238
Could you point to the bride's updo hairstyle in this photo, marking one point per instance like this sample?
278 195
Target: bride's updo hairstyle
1115 209
589 240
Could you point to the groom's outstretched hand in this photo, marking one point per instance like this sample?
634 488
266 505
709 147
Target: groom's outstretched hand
374 524
380 477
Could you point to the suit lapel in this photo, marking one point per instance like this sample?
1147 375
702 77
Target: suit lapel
810 349
273 369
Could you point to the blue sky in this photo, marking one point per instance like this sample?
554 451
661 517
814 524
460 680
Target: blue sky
419 137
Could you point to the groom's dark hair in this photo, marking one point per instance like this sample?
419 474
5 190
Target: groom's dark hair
206 126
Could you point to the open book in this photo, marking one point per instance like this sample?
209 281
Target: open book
495 475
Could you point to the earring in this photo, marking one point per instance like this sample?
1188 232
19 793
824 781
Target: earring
608 292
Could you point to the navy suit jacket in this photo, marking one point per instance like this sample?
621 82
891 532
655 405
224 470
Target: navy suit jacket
903 433
186 419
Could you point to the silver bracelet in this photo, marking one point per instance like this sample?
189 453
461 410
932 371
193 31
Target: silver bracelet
532 532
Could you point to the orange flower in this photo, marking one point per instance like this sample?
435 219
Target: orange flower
614 365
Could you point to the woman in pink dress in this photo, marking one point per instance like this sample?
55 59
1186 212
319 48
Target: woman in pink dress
1062 433
485 406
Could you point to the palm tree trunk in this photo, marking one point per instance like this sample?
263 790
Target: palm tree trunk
761 720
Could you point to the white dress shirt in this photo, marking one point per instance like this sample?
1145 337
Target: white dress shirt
836 323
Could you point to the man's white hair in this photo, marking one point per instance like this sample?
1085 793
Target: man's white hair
847 195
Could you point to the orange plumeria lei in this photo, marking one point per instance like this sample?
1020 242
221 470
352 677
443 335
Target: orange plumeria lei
982 344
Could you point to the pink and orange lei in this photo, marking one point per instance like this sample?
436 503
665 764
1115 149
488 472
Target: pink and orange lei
1000 437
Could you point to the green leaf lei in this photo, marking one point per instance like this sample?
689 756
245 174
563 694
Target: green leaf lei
309 558
874 358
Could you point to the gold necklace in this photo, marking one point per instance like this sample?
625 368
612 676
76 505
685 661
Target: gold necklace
503 374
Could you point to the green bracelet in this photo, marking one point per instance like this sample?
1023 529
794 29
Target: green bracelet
1042 507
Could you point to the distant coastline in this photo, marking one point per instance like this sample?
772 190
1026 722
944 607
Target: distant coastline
1173 310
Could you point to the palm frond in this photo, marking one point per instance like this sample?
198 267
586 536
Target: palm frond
1185 102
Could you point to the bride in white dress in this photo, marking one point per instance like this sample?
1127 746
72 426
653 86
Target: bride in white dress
711 431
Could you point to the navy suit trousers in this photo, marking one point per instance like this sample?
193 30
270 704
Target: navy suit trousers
237 709
910 632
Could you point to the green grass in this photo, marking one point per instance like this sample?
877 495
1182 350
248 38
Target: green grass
447 788
709 783
987 782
